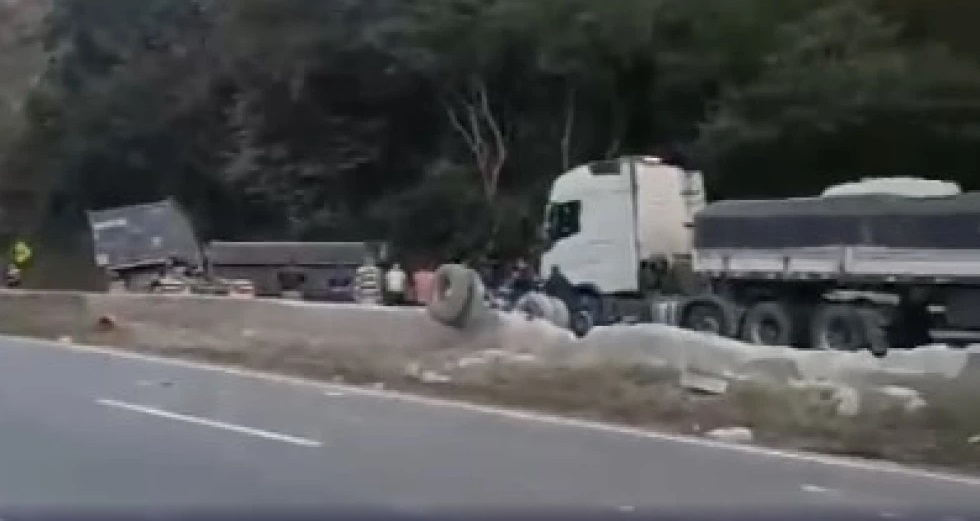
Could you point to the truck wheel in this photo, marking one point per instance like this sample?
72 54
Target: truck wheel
768 324
710 315
453 289
583 319
838 327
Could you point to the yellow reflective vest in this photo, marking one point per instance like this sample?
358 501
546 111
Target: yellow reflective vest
21 253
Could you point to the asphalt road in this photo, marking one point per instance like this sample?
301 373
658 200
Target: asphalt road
89 429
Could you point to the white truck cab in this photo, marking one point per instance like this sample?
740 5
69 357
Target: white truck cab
604 218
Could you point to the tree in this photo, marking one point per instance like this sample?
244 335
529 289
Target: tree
839 97
353 118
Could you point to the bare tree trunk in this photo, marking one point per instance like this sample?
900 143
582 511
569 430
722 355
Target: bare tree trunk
475 122
616 132
566 137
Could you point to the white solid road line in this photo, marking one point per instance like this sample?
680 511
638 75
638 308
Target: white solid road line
196 420
515 414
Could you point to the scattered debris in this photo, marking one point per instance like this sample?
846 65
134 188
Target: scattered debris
731 434
106 323
432 377
702 383
471 361
412 370
491 356
154 383
911 400
846 400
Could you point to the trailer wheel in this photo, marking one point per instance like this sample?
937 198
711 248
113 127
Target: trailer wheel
875 334
710 315
838 327
454 287
768 324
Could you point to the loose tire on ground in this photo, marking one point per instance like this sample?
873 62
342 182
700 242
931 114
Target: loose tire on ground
535 305
838 327
454 290
768 323
559 313
709 314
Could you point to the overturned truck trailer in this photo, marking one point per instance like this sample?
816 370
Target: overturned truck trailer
841 272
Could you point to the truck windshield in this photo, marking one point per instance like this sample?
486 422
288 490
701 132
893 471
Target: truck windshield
562 220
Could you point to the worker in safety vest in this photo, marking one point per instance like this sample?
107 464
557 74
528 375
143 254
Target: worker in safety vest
21 254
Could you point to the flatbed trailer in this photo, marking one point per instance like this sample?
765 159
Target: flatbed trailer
841 272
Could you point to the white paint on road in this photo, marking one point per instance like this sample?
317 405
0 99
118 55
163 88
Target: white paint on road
197 420
819 459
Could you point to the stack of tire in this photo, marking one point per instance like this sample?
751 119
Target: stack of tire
458 298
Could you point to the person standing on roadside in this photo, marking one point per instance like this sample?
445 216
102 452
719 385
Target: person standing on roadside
524 279
12 275
422 280
368 282
395 281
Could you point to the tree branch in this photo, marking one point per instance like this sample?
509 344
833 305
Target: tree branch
616 132
460 128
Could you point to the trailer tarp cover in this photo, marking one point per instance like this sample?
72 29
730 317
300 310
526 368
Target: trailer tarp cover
870 220
143 234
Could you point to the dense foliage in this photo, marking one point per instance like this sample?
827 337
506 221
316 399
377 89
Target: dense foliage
438 124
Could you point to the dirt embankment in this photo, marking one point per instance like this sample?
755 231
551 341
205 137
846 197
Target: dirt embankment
402 350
